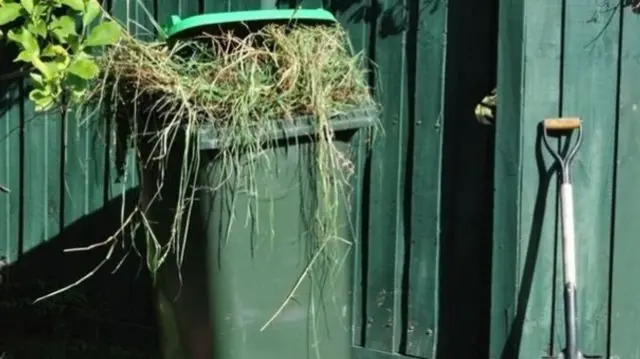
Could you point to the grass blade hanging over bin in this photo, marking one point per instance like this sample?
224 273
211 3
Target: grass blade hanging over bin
244 132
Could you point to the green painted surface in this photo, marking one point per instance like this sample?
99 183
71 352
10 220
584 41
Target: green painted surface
592 48
625 292
504 267
217 6
525 209
425 59
466 186
11 176
232 284
561 59
384 239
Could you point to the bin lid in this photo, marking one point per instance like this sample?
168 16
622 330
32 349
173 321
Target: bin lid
176 25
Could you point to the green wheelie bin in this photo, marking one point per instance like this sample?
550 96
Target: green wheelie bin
246 250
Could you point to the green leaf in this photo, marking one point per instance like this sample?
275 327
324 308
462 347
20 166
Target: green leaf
37 27
58 65
25 56
63 27
36 78
78 87
77 5
28 42
27 5
84 67
92 10
54 50
9 12
45 69
40 10
106 33
74 44
42 98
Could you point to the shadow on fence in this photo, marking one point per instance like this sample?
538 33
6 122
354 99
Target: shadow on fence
111 315
11 77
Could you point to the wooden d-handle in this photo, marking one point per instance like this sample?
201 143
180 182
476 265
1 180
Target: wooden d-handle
564 123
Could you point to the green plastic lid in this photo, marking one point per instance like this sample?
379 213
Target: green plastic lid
177 25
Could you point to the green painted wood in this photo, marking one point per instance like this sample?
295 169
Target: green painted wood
625 291
507 177
84 166
358 35
251 5
524 203
75 170
42 180
466 184
120 180
10 175
364 353
183 8
215 5
424 51
123 10
591 47
537 247
564 65
385 237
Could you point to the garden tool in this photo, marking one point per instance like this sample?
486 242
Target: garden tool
564 126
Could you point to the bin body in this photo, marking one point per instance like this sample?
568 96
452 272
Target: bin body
245 251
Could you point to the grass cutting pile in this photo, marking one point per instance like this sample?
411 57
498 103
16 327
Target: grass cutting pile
246 87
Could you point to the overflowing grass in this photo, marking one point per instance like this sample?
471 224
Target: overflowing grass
246 88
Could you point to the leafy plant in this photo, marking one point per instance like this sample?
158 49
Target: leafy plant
55 39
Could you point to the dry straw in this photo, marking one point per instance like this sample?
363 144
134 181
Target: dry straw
245 87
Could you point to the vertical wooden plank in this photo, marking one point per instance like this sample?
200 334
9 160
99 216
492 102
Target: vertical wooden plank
216 5
250 5
507 175
357 29
123 10
466 184
144 15
625 291
84 165
385 238
537 252
589 91
425 50
42 180
75 170
524 212
119 182
95 153
183 8
10 176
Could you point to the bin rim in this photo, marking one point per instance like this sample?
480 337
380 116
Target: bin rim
177 25
351 120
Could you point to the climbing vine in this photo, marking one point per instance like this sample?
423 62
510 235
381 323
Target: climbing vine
56 39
